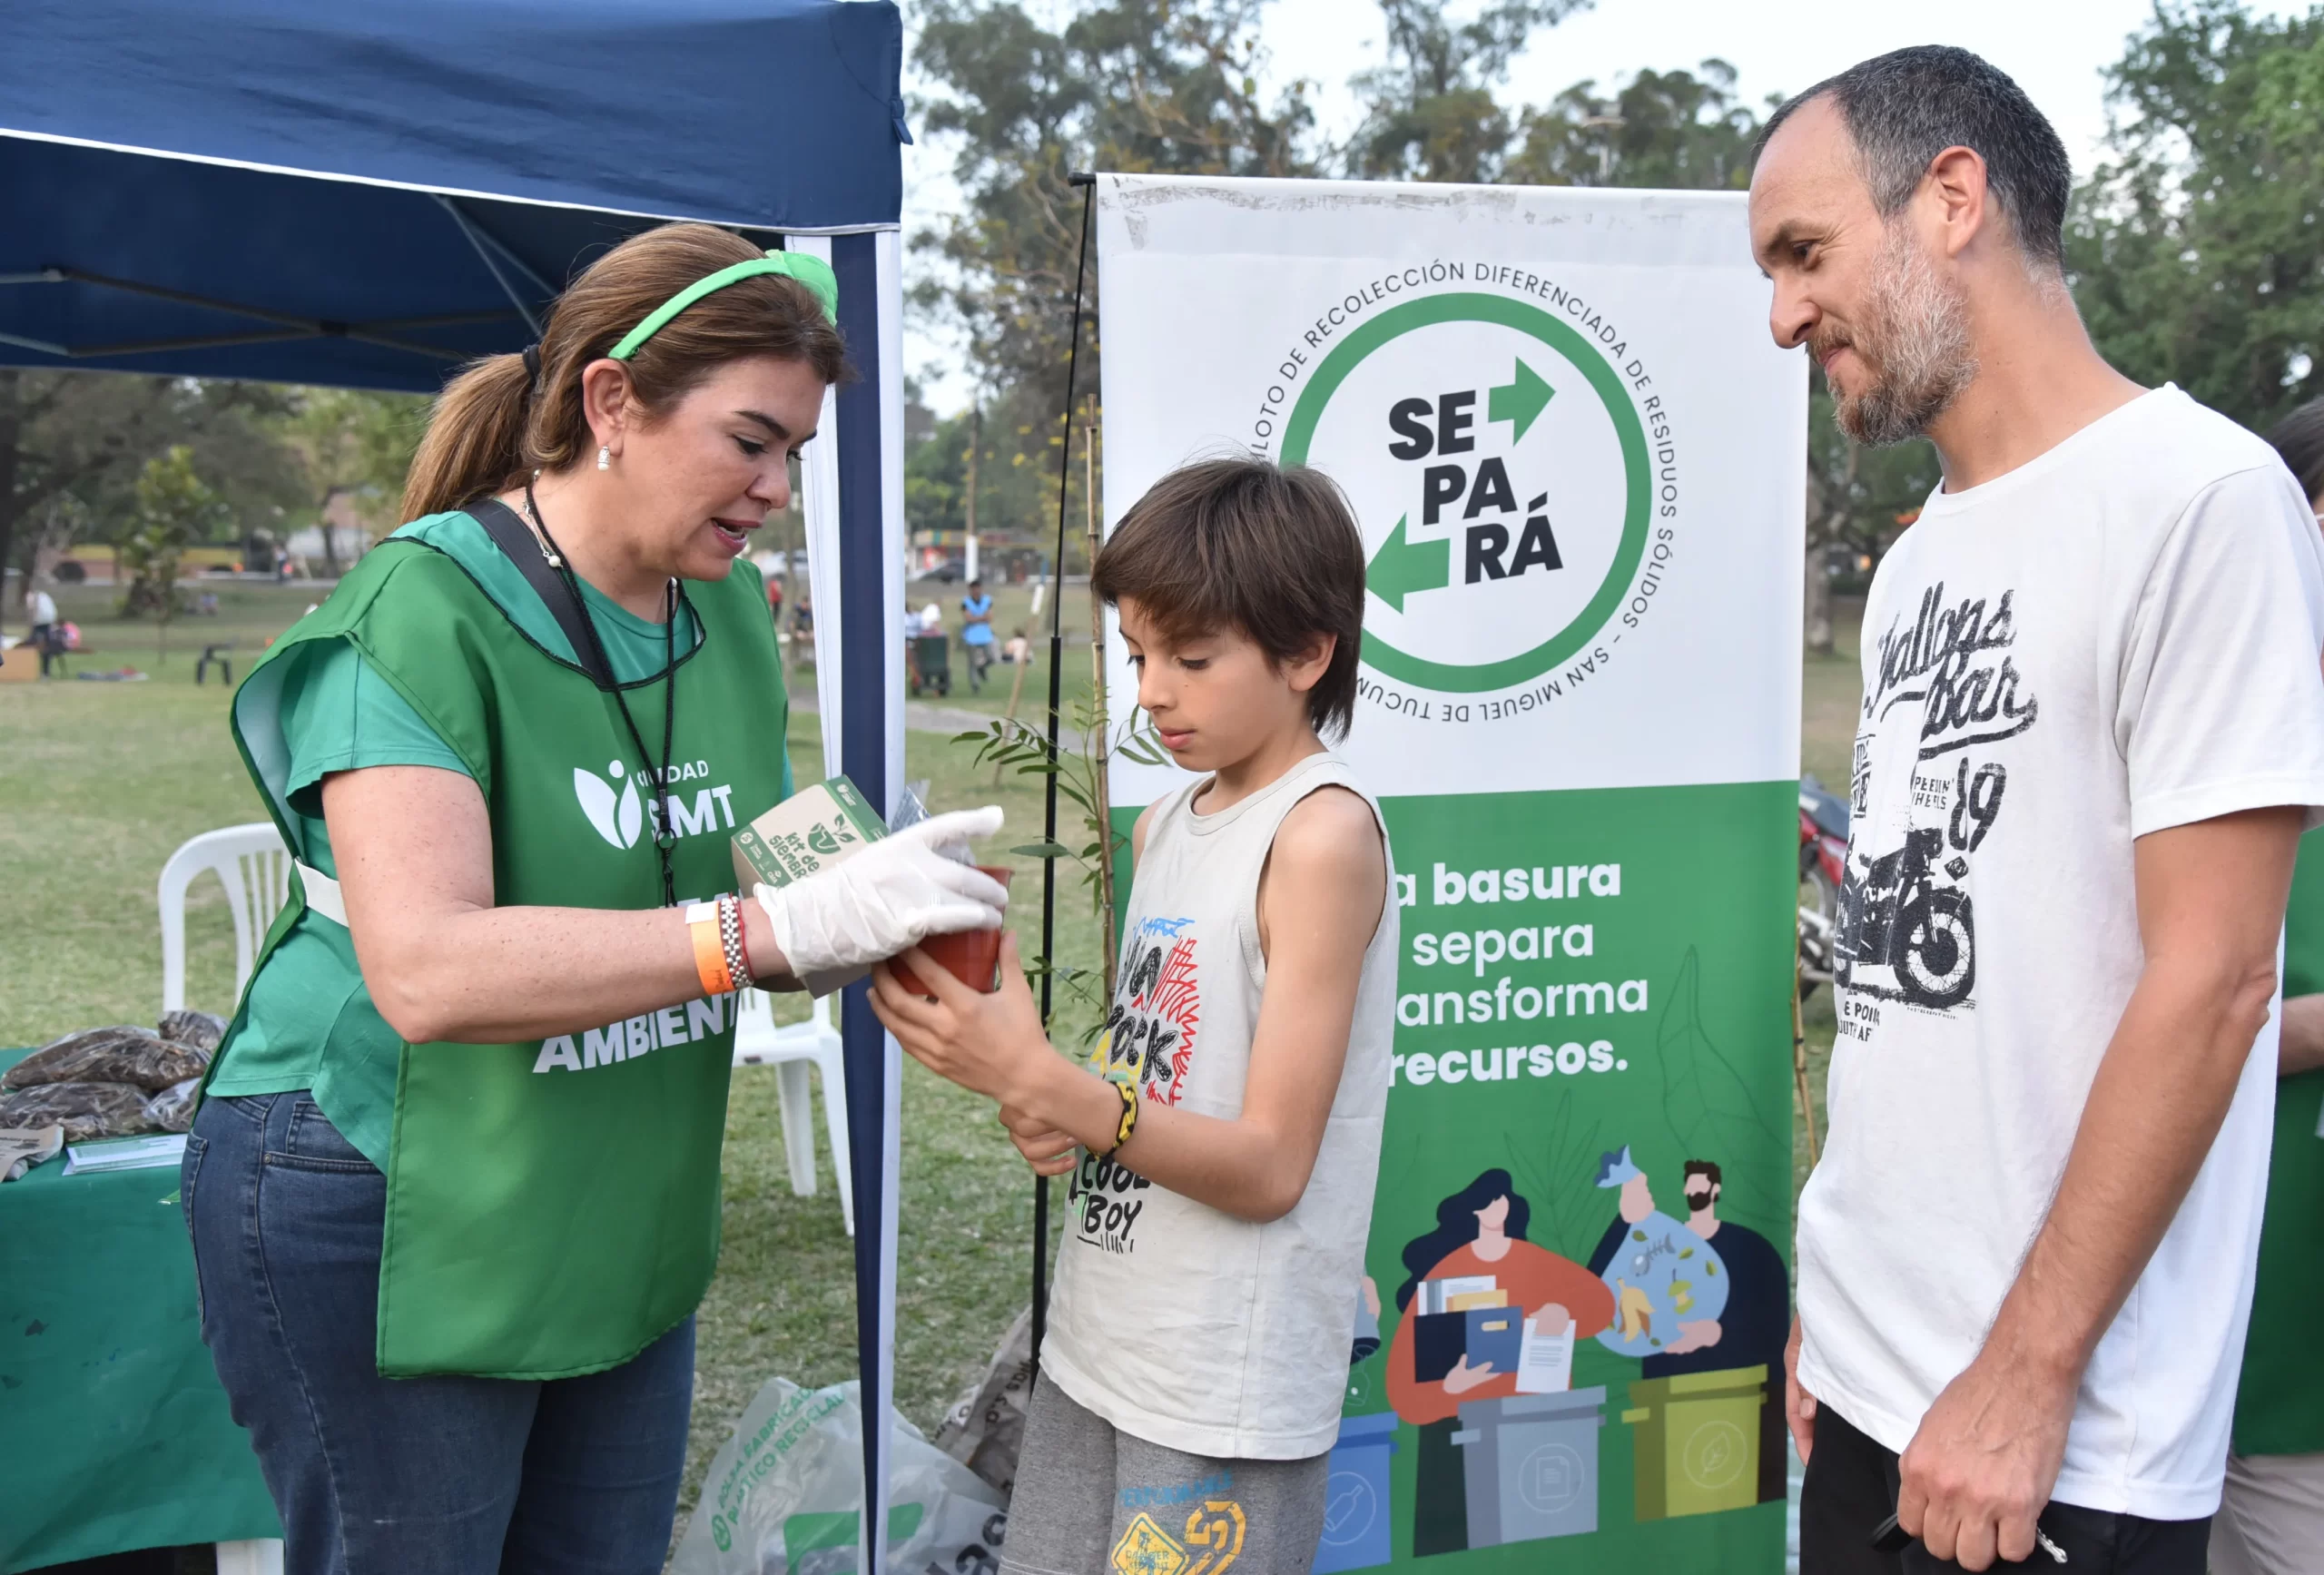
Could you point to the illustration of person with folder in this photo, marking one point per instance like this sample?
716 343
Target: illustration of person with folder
1476 1289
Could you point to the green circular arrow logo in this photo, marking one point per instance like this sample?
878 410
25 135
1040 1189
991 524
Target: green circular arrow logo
1405 564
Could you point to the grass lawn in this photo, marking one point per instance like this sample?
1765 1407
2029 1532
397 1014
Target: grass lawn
102 781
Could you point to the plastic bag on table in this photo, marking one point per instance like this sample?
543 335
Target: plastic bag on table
196 1031
84 1110
171 1110
985 1429
120 1054
784 1496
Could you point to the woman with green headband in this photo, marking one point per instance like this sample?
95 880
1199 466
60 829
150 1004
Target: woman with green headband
453 1186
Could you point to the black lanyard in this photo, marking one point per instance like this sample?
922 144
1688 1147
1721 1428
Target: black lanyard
665 839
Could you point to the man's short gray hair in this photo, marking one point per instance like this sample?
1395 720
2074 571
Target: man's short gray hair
1904 108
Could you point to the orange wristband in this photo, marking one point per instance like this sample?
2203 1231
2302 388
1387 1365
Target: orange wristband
709 948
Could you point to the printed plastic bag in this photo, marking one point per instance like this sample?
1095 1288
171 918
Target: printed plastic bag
120 1054
171 1110
196 1031
985 1429
84 1110
784 1496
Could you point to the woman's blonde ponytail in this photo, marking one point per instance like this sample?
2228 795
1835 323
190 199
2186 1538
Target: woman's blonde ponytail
475 442
497 421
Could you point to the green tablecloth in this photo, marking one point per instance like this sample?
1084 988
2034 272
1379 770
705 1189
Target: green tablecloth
113 1433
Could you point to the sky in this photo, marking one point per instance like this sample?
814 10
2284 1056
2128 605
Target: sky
2057 50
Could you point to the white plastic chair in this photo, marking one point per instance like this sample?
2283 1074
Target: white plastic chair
255 869
791 1051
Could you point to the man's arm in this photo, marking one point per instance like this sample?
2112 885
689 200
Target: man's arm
2303 1046
1323 894
2210 904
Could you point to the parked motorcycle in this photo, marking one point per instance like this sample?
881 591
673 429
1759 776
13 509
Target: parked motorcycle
1822 871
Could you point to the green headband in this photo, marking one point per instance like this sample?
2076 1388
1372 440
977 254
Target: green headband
811 271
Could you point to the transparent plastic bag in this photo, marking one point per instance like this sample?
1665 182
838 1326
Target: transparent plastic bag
84 1110
120 1054
784 1496
196 1031
171 1110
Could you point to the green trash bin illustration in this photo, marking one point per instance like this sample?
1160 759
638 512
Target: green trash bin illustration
1696 1441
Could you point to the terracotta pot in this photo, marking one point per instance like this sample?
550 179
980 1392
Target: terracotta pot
971 956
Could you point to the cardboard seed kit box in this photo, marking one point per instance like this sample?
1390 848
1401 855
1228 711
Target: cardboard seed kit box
812 830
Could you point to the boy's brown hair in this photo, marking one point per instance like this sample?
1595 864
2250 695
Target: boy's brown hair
1272 551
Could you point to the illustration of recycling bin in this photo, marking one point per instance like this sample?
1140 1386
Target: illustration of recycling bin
1355 1499
1531 1469
1697 1442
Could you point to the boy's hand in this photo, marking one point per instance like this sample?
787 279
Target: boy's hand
989 1044
1048 1150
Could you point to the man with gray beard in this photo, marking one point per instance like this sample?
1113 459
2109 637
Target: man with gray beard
2092 730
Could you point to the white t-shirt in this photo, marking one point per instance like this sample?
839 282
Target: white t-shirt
1174 1321
2118 638
43 608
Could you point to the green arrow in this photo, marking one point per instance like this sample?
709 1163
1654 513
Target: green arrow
1402 567
1519 400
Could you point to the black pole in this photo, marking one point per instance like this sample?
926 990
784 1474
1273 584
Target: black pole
1088 184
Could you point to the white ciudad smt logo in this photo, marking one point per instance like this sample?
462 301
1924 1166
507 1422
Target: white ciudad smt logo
619 821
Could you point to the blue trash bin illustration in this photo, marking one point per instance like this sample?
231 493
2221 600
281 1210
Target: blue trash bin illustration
1355 1499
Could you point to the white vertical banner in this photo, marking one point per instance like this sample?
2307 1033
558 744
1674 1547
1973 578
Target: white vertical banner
1578 466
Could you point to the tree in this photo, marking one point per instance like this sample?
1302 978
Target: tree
1433 114
357 442
1169 85
175 509
87 435
2197 249
1670 129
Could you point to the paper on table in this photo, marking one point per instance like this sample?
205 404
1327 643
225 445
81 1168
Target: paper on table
1545 1361
124 1153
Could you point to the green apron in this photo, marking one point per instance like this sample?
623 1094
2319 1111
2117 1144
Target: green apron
553 1207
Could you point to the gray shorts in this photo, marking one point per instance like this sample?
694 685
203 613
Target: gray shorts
1091 1500
2270 1521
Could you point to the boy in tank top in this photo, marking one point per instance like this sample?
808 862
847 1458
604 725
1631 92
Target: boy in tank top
1223 1141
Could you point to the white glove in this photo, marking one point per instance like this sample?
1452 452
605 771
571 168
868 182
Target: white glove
836 923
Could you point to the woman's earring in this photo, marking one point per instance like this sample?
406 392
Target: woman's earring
604 458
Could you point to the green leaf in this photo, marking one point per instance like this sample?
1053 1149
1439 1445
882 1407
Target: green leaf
1043 851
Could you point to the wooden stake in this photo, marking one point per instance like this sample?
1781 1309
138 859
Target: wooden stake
1799 1071
1102 721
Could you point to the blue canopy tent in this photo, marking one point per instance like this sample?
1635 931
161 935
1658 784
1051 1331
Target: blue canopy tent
366 195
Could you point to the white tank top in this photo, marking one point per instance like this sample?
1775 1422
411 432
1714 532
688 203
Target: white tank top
1174 1321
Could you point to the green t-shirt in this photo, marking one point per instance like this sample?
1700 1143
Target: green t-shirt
2279 1403
338 714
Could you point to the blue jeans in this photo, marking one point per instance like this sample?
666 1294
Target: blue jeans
406 1476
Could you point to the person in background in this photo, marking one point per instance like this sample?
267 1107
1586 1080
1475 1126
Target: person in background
2271 1518
1019 651
976 633
2092 730
46 637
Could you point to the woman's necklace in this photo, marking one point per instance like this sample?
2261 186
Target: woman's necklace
665 838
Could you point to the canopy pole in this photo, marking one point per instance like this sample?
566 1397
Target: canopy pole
1088 184
486 246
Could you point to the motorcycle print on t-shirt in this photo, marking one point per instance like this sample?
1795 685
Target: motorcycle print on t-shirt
1907 926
